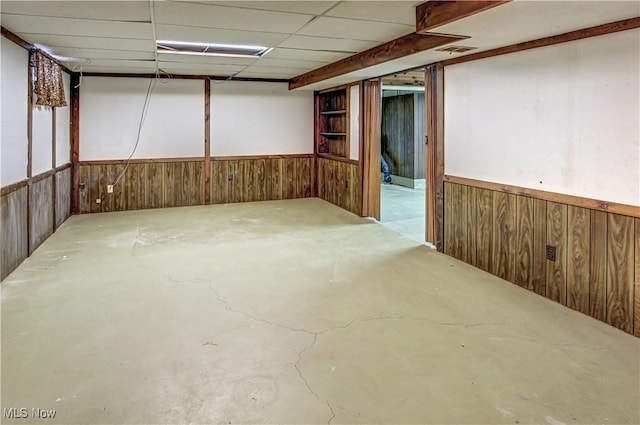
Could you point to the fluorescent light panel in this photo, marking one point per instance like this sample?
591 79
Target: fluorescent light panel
211 49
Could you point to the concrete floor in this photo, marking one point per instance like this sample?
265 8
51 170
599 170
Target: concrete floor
292 312
403 209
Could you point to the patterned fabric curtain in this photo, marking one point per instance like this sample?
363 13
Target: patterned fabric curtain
48 83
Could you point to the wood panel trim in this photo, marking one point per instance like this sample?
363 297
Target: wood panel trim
338 158
63 167
624 25
5 190
394 49
75 142
140 161
435 13
594 204
42 176
277 156
207 141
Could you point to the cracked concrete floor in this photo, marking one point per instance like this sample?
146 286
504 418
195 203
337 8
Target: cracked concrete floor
292 312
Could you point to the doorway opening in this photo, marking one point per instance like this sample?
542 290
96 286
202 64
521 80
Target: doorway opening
403 157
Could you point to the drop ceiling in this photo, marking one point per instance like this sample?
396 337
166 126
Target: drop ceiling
112 36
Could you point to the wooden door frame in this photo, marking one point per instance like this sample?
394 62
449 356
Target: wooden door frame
370 154
434 154
434 167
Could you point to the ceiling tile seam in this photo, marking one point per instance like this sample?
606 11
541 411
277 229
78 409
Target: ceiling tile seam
75 19
84 36
336 4
246 8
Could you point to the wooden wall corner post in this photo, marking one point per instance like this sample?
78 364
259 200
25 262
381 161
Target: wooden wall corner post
29 149
372 129
75 142
54 182
434 121
207 141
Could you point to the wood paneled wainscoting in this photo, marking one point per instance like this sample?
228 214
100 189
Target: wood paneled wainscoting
262 178
30 211
506 231
141 184
339 183
176 182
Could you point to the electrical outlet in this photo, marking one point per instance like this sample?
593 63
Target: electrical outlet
230 176
98 201
82 187
346 184
109 188
551 252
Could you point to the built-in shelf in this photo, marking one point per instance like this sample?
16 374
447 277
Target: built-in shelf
332 123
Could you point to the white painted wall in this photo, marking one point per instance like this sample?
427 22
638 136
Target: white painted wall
562 118
255 118
14 62
354 123
63 118
42 143
110 111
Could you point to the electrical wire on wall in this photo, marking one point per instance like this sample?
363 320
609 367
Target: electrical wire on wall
147 99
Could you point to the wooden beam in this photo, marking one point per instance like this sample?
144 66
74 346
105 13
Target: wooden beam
435 13
395 49
577 201
28 46
613 27
207 141
75 142
17 40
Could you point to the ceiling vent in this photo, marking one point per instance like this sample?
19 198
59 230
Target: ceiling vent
211 49
455 49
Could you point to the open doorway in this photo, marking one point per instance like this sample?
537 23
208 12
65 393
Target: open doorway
402 162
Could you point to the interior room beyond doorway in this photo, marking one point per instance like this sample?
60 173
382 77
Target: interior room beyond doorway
403 160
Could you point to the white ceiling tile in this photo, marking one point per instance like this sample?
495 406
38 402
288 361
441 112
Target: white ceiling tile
206 60
72 52
54 41
521 21
304 55
401 12
121 63
357 30
213 35
335 45
103 10
76 27
212 16
141 69
168 66
308 7
263 75
269 70
284 63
